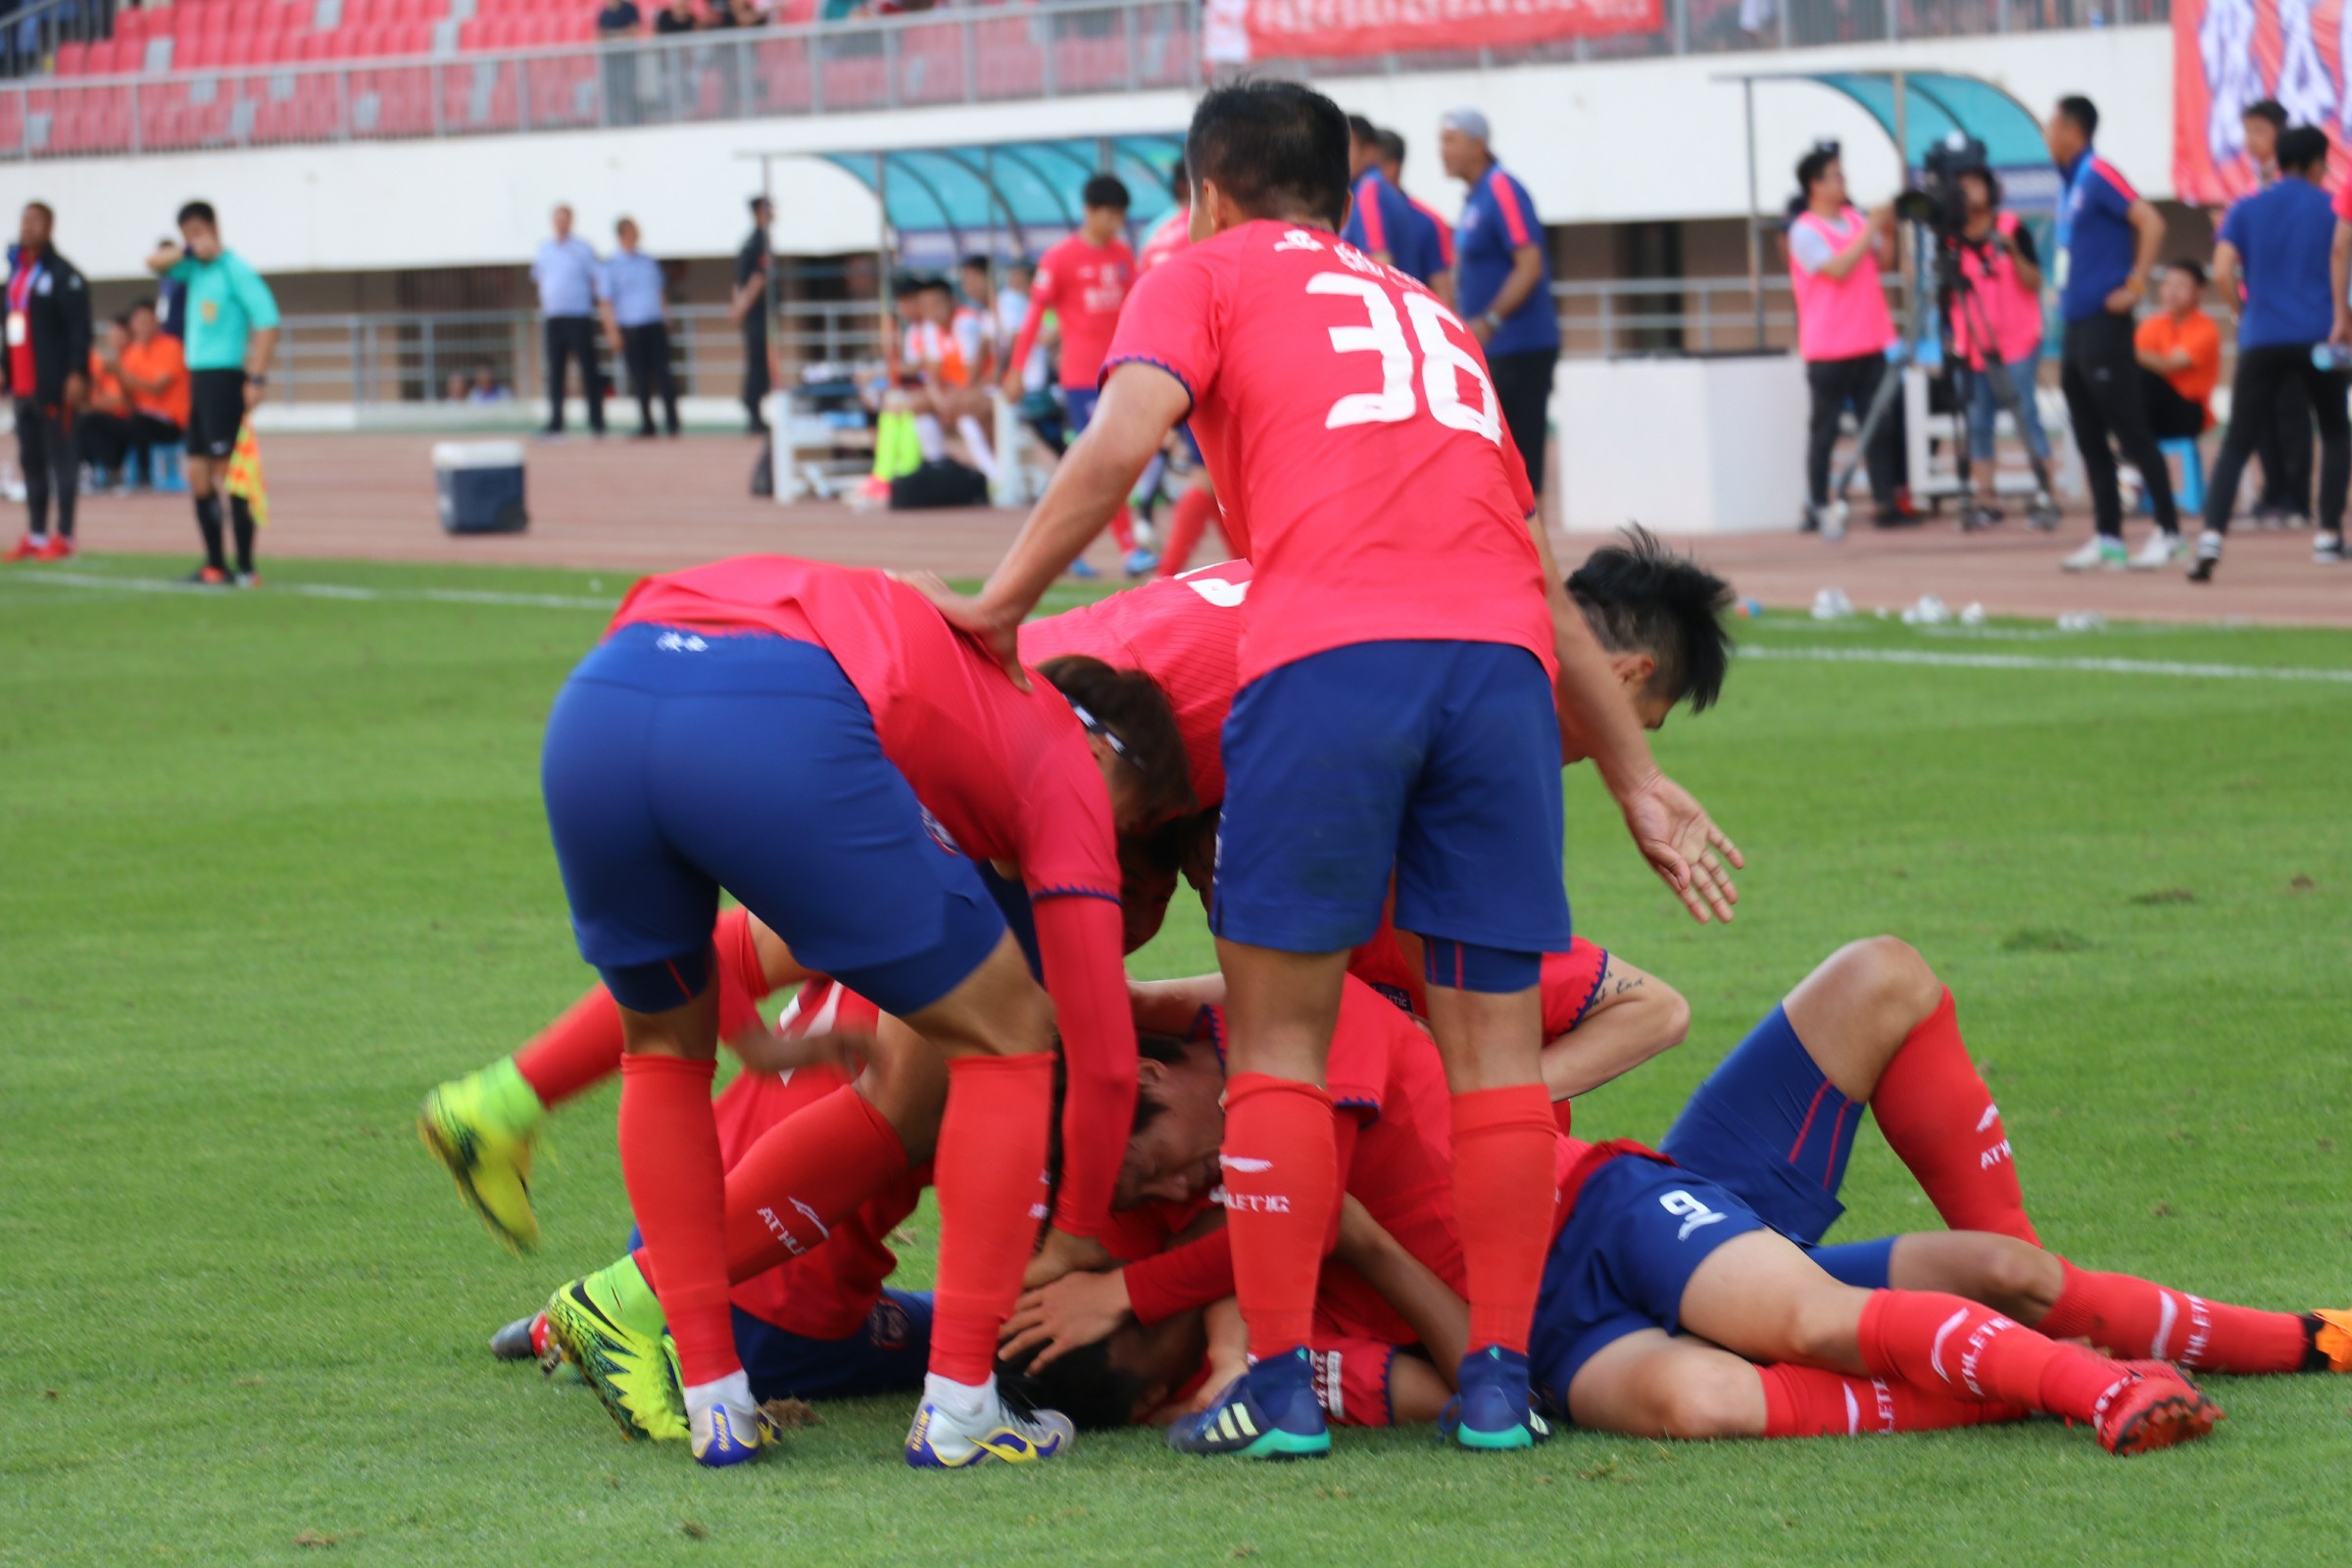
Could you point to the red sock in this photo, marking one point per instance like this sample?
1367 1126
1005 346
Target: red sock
1563 1117
1122 530
578 1052
669 1158
991 1178
742 982
803 1176
1944 1344
1807 1402
1194 510
1940 1119
2132 1318
1282 1199
1505 1145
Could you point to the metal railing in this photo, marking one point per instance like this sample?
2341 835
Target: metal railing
962 55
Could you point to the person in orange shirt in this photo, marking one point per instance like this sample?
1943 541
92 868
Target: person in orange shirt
102 428
2179 352
155 371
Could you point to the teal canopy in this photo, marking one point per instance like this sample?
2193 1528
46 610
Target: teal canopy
1937 104
1009 198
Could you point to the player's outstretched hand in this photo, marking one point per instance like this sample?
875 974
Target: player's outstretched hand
1056 1319
998 638
1685 848
1065 1254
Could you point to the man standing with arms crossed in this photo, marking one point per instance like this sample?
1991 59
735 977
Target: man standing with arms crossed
1503 281
1406 639
565 272
46 362
2108 238
232 337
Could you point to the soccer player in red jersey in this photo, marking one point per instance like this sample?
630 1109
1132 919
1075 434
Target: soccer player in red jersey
1196 508
1173 233
818 742
1405 639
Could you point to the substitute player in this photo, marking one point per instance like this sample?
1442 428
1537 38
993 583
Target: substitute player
1402 640
1382 221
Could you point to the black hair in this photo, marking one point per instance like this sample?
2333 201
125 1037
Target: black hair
1131 706
1639 597
1277 149
2302 149
1106 190
1083 1384
1167 1051
1392 147
1361 129
2270 110
759 201
977 260
1993 181
2193 268
197 212
1811 166
43 208
2082 112
145 301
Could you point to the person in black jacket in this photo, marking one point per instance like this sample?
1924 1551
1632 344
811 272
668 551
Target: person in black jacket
46 363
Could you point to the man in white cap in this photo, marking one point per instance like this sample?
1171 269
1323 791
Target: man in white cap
1503 281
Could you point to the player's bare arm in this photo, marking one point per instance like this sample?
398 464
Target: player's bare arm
1634 1016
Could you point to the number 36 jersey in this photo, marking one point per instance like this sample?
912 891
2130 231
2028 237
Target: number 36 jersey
1359 450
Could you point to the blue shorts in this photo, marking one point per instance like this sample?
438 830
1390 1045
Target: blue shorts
678 764
1192 444
1622 1262
1769 1126
1440 759
1078 408
888 1356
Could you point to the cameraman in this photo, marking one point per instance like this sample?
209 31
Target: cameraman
2003 277
1843 328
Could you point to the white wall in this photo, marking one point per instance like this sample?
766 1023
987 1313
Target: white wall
1595 143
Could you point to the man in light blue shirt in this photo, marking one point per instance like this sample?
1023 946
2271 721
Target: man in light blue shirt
565 269
629 289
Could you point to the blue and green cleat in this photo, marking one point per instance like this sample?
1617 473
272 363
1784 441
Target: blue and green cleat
1496 1408
1271 1412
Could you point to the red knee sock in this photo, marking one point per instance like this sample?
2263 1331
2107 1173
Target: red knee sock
1195 511
669 1158
1806 1402
578 1052
991 1178
1282 1200
1944 1344
1504 1148
1122 530
1940 1121
1563 1117
803 1176
742 982
2132 1318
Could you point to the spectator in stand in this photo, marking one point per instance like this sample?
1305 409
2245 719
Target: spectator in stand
1392 164
631 290
618 23
46 365
675 18
2180 353
155 369
747 14
2282 239
565 271
1842 330
1381 223
749 310
485 387
102 429
1503 280
679 66
2004 273
2108 238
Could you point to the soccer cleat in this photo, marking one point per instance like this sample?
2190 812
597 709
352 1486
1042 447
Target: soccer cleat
480 1127
2161 550
2330 1339
2152 1407
940 1440
609 1326
24 549
1271 1412
207 578
523 1340
722 1437
1141 562
60 548
2209 556
1495 1409
2327 549
1083 571
249 579
2098 554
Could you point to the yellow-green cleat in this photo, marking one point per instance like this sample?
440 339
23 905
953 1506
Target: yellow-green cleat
609 1326
481 1128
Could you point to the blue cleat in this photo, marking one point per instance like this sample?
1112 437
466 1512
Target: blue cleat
1271 1412
1495 1409
1082 570
1141 562
724 1436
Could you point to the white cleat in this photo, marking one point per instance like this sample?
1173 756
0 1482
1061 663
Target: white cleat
2161 551
2328 549
941 1441
2098 554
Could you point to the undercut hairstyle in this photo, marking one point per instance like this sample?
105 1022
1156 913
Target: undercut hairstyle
1130 705
197 212
1167 1051
2193 268
2303 149
1106 190
1083 1384
1277 149
1639 597
1392 148
2270 110
1811 166
2082 112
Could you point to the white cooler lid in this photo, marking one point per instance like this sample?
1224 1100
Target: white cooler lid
477 454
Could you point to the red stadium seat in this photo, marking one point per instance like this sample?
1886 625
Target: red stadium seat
130 25
73 59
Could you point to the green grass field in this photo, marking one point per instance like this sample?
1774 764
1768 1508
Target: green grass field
270 864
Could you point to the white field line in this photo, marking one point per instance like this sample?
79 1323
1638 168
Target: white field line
2171 669
325 590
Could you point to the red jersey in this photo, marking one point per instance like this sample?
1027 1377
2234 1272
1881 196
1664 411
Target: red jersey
1005 775
1084 284
1185 633
1356 442
1174 234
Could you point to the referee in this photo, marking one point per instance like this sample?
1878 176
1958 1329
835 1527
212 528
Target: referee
231 332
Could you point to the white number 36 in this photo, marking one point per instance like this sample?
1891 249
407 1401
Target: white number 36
1444 362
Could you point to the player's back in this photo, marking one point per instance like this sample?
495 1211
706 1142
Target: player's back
1356 443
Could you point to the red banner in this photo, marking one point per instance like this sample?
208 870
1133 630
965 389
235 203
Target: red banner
1237 31
2228 54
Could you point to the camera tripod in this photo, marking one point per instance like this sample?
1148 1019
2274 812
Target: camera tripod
1954 292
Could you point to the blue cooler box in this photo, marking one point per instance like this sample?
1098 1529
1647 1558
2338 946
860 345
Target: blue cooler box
480 485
